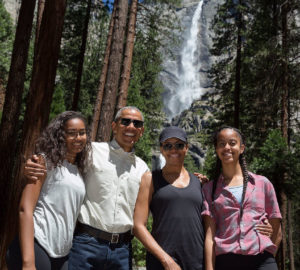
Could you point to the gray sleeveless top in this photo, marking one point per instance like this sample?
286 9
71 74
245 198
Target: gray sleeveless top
177 222
57 209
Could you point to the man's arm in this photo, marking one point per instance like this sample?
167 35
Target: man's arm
33 170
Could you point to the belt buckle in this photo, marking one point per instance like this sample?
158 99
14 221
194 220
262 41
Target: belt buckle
114 238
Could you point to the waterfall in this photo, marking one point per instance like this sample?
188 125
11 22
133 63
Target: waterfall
189 86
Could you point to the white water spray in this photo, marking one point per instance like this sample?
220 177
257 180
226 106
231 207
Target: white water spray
189 87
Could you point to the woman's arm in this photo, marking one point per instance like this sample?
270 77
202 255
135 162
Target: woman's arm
277 233
140 218
28 202
209 245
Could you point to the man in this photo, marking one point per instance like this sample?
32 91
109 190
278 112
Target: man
103 236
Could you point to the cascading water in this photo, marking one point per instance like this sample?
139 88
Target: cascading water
188 77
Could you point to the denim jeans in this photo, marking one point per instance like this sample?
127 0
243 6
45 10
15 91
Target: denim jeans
90 253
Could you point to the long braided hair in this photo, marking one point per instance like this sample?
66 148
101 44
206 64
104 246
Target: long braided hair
242 161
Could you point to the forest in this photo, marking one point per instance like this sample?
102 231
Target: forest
96 57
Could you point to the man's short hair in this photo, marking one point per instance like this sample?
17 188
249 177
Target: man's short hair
119 112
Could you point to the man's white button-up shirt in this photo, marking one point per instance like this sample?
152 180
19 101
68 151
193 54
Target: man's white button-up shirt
112 185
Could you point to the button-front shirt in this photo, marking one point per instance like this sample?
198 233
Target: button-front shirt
112 185
234 234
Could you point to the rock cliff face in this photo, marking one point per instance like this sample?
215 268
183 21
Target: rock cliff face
191 110
12 7
180 89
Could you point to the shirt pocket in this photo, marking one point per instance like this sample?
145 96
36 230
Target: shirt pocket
131 189
99 184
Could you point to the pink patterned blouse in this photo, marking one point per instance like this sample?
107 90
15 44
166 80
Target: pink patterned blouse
234 234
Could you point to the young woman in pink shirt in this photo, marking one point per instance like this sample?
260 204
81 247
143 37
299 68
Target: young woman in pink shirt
237 201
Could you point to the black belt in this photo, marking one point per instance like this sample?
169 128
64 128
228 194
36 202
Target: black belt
113 238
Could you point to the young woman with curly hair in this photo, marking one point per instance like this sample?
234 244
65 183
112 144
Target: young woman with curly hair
49 207
236 202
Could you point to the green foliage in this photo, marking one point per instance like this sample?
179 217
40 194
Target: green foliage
70 49
190 164
210 163
274 160
58 103
6 42
145 88
273 155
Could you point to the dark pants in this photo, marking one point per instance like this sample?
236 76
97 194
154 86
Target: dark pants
89 252
262 261
42 259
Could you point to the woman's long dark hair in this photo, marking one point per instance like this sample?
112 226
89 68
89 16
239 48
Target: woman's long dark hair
52 141
242 161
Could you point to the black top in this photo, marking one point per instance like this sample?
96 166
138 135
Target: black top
177 222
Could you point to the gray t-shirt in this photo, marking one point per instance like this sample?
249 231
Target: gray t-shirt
57 209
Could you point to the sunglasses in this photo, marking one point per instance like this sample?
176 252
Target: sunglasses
127 121
170 146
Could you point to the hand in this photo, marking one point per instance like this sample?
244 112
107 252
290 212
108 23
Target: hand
265 228
33 170
170 264
202 178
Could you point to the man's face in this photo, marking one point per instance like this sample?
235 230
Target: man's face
127 136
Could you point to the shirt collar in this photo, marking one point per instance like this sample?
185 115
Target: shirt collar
116 147
222 181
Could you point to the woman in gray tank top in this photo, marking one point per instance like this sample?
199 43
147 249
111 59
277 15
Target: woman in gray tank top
49 207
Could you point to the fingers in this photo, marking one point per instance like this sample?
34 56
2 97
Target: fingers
264 229
33 164
34 171
203 178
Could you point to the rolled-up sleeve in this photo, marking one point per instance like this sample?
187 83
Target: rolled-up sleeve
271 203
207 201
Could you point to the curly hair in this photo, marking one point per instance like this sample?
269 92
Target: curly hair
52 142
242 161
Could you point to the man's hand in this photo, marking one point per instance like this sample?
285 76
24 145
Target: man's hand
33 170
265 228
202 178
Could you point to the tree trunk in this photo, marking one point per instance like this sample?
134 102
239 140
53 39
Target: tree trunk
97 110
11 108
237 86
81 57
284 121
41 6
125 77
40 95
113 73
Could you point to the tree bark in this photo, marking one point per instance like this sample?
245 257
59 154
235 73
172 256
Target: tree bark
284 121
97 110
40 11
40 95
113 73
81 57
11 109
237 86
125 77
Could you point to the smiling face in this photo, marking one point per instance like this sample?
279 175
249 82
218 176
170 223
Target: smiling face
127 136
174 156
229 146
75 135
